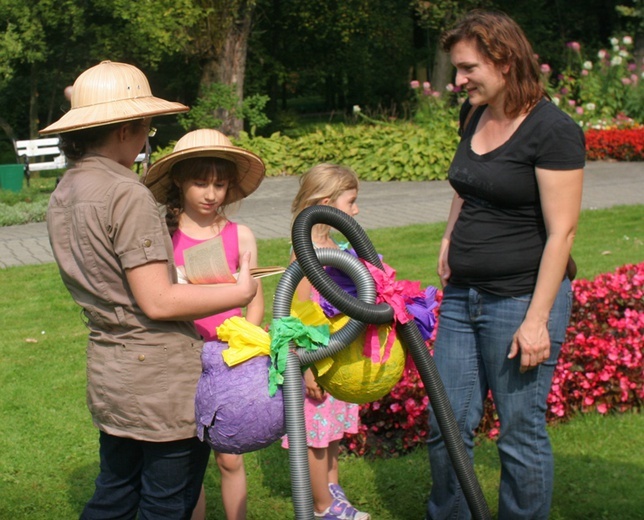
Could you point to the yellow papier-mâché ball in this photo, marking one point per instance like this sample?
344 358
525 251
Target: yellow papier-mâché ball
354 378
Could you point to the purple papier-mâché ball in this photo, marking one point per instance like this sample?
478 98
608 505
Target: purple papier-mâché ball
233 409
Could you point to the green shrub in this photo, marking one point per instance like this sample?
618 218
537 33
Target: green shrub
378 152
217 97
23 212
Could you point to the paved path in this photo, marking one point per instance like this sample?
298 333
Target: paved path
382 204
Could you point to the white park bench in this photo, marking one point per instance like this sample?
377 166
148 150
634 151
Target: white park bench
47 148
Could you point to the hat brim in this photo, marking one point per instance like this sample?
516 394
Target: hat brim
113 112
250 169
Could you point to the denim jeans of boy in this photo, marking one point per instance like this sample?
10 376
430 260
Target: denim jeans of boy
156 480
474 336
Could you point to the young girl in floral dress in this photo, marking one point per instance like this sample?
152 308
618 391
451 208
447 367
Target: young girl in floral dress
327 418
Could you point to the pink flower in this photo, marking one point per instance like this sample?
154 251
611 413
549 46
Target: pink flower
427 85
579 110
414 84
574 46
584 72
545 68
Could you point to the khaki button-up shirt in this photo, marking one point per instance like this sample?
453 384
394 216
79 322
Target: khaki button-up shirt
142 374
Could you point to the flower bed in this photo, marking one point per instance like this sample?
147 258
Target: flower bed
620 144
600 369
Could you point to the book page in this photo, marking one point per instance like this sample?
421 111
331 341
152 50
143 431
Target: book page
206 263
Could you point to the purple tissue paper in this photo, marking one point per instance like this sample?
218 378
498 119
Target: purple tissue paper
233 409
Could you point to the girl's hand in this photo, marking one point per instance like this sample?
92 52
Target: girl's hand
533 341
443 269
313 390
245 282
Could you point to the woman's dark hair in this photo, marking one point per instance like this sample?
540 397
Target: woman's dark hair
77 143
199 168
501 41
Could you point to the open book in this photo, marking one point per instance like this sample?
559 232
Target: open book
206 263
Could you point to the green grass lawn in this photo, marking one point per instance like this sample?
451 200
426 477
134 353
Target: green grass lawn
48 445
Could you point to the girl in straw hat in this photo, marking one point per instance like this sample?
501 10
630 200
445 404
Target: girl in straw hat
115 256
202 176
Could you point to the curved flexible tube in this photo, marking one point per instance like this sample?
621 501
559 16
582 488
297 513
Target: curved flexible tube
379 314
292 389
360 276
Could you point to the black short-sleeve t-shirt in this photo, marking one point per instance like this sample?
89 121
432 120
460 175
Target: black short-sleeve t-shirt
499 236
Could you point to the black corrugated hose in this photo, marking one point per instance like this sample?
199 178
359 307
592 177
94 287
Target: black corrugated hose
365 312
292 389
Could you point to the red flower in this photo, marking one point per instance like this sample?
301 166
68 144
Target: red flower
600 368
621 144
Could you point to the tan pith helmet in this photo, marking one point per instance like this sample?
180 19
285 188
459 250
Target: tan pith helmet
206 143
111 92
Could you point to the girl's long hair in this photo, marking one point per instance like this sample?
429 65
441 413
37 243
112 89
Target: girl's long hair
204 169
323 181
500 40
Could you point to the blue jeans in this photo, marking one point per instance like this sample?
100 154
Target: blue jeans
157 480
474 335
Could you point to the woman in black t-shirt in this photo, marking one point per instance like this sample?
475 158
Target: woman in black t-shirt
517 174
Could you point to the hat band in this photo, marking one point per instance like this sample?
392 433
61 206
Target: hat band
113 101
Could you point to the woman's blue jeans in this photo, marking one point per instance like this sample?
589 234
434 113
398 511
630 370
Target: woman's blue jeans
474 335
156 480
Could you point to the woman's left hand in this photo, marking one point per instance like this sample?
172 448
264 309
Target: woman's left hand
533 342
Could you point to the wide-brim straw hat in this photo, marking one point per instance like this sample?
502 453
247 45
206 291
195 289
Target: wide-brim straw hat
207 143
111 92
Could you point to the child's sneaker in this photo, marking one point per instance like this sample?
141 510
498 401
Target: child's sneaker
337 492
341 510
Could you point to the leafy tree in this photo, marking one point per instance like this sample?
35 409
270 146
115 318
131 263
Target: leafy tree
47 43
218 42
29 40
218 97
342 53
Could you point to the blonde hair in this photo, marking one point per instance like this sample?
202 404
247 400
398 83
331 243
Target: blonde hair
323 181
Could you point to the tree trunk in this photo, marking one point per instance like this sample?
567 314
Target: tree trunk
8 130
33 103
442 71
229 67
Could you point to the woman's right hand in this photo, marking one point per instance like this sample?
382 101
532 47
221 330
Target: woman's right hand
245 282
443 269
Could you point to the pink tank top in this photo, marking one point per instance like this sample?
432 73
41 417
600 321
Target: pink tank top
207 327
